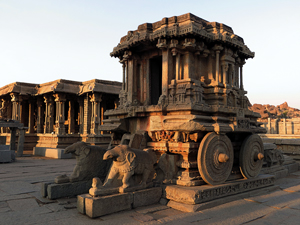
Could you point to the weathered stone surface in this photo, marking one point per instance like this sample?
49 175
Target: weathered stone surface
99 206
146 197
5 156
204 193
55 191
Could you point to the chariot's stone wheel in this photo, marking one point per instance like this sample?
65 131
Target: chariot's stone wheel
251 156
215 158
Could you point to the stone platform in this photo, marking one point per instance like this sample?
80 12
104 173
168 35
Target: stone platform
104 205
190 199
55 191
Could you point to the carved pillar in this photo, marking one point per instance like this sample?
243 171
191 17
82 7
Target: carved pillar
60 114
166 55
95 116
49 114
81 115
241 77
87 115
124 75
31 117
71 118
217 49
16 106
178 75
40 113
147 69
225 72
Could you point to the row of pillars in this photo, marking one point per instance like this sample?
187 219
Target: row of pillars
89 111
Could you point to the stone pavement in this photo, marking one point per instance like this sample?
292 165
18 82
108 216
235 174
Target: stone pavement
21 201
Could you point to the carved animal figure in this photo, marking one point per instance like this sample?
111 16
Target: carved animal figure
127 162
89 164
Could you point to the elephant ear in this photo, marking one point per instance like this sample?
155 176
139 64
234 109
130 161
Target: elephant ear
130 156
86 151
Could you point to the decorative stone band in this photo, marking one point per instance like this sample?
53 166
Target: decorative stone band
205 193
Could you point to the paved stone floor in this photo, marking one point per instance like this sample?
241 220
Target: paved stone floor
21 201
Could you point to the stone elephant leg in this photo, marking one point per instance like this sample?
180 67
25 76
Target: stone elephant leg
75 175
126 178
145 177
111 175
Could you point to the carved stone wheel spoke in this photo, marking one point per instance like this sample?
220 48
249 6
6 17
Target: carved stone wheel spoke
215 158
251 156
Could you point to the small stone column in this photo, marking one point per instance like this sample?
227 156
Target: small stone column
16 106
60 114
87 115
71 121
241 77
49 114
217 49
40 112
178 75
124 75
21 141
81 116
95 113
31 117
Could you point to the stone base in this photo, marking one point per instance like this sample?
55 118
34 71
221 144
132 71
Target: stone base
103 205
55 153
55 191
220 201
206 193
7 156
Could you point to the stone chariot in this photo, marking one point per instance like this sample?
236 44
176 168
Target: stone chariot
183 94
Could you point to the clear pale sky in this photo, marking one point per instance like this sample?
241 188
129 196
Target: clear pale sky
45 40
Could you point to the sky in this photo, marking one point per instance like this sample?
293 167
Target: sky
45 40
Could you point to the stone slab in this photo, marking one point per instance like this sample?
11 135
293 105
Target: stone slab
5 156
146 197
55 191
205 193
100 206
104 205
220 201
55 153
4 147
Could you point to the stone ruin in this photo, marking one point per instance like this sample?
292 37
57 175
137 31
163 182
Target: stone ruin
182 132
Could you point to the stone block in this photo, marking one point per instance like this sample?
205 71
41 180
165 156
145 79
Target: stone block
206 193
4 147
55 191
292 167
81 203
100 206
146 197
5 156
55 153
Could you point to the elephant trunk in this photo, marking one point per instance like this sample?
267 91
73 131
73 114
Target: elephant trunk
108 155
69 149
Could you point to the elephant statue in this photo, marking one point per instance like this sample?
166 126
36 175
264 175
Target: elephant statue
89 163
128 162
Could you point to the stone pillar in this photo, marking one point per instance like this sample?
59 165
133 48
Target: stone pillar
95 112
87 115
178 75
40 113
21 141
60 100
130 77
241 77
147 69
165 71
81 116
217 49
16 106
269 126
31 117
124 75
284 126
71 116
12 145
225 72
49 114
